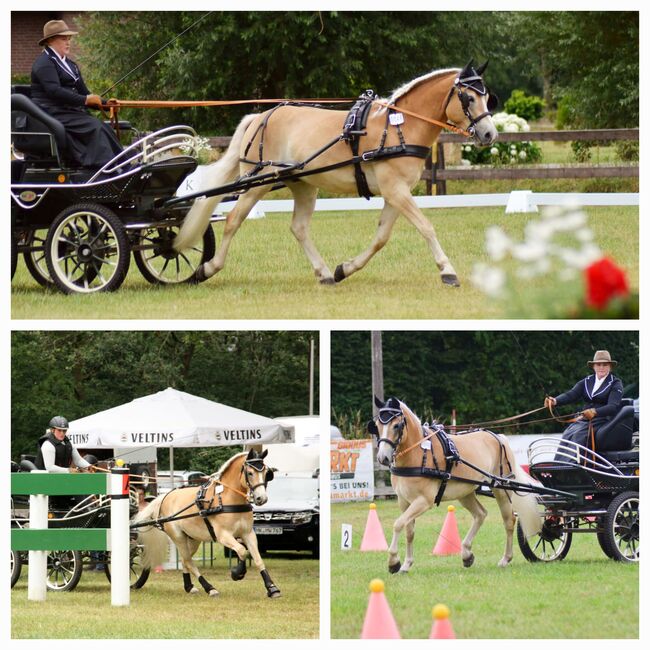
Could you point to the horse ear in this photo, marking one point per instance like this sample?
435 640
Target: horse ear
264 453
481 69
371 428
493 101
378 403
250 454
467 70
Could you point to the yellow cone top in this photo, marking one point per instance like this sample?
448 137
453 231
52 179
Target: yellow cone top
451 508
372 506
376 585
119 462
440 611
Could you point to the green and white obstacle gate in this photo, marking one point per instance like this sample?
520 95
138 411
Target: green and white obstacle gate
38 539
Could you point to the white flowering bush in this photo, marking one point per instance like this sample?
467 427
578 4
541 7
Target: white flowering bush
541 274
198 147
504 153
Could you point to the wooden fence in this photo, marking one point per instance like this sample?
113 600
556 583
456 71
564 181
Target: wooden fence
436 173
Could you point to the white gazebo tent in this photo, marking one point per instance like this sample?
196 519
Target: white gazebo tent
173 419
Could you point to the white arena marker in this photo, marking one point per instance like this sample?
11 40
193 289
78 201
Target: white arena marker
346 537
521 201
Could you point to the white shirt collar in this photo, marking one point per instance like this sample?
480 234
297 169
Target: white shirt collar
599 382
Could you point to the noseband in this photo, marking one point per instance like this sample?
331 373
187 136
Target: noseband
478 86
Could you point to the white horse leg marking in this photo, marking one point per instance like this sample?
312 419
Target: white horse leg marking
304 197
415 509
387 220
404 202
479 513
234 220
508 516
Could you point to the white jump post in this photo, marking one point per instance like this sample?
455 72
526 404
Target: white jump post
120 552
37 578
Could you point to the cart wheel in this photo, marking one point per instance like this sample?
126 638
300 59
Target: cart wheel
14 258
63 570
604 545
139 575
35 258
87 249
551 544
16 567
159 263
622 527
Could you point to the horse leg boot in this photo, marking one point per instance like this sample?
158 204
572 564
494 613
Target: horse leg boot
250 539
384 229
479 513
239 570
304 197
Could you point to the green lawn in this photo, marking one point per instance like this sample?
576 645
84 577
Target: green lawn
586 595
268 277
162 610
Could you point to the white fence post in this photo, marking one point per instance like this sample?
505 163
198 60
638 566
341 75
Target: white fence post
37 578
120 560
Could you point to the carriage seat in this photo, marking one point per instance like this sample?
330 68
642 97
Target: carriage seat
26 465
35 132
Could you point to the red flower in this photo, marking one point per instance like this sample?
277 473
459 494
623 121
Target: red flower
605 280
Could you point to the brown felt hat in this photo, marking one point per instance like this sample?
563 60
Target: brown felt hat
602 356
55 28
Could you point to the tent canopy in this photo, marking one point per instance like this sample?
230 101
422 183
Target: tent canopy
172 418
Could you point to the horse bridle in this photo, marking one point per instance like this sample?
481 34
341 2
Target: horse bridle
259 466
477 84
386 415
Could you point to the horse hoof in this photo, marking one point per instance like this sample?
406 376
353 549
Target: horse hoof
328 281
237 575
193 591
339 275
274 592
394 568
199 275
450 279
213 593
468 561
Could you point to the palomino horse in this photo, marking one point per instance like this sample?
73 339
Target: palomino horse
218 510
403 442
292 134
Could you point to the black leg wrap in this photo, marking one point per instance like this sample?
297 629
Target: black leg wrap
238 571
187 582
339 276
205 584
271 590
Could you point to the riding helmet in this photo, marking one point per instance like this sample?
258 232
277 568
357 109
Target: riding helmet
59 422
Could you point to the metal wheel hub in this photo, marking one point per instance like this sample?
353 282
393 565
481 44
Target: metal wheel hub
85 252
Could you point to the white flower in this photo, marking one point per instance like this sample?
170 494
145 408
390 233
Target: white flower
529 251
584 235
497 243
465 162
494 151
490 280
511 128
522 155
513 160
467 147
525 127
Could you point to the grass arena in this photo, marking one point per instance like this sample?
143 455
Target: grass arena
584 596
267 275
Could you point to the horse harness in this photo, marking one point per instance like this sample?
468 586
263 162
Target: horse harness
475 83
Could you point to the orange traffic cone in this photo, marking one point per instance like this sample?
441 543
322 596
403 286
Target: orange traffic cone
441 628
373 536
449 540
379 622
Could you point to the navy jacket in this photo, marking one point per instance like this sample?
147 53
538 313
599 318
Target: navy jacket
54 86
606 400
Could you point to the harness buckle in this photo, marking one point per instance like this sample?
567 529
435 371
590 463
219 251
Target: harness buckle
366 156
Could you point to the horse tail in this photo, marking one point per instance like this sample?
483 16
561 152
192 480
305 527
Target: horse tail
224 171
152 539
524 503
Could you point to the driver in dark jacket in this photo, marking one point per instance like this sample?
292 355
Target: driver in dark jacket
59 89
55 451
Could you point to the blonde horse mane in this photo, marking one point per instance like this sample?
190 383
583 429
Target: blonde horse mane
411 416
226 466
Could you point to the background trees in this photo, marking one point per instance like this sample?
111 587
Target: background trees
483 375
588 62
82 372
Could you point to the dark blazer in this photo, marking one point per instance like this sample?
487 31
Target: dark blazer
54 86
606 400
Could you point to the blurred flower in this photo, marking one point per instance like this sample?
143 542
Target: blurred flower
494 151
497 243
489 279
605 281
522 155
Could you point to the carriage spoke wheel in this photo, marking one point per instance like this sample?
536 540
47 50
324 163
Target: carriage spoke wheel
87 250
14 255
63 570
35 257
16 567
622 527
159 263
138 573
552 543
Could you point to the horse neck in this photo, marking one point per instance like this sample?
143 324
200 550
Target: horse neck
231 478
428 99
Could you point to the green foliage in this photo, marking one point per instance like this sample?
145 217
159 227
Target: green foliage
627 150
582 150
503 153
530 107
78 373
481 374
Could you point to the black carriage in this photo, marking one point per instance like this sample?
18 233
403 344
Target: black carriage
605 501
64 568
76 228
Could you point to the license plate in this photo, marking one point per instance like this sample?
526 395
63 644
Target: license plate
268 530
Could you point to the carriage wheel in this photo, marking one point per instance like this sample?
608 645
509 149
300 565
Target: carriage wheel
16 567
622 527
604 544
159 263
14 255
139 574
35 259
87 250
552 543
63 570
